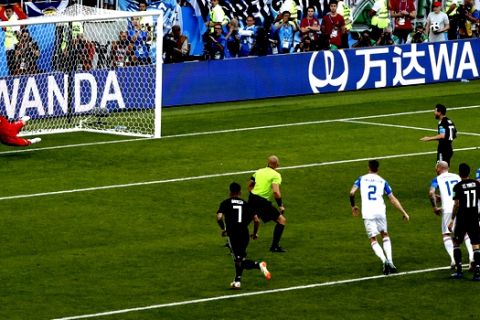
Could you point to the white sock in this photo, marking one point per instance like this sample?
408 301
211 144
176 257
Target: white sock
448 243
387 247
378 251
468 244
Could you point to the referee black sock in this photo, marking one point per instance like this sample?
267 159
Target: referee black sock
277 235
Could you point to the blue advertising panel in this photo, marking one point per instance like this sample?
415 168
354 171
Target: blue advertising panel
53 94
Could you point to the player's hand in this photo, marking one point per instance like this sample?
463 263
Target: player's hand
450 226
355 211
254 236
406 217
437 211
224 233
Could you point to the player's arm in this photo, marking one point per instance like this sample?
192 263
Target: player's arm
256 226
221 223
278 196
398 205
433 200
355 210
435 137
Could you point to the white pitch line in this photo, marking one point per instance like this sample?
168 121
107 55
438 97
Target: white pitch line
249 294
194 134
226 174
407 127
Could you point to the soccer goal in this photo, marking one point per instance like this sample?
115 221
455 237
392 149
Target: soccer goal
86 69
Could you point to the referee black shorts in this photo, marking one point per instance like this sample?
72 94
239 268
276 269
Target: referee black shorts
263 208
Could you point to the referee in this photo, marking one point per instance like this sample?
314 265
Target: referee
264 187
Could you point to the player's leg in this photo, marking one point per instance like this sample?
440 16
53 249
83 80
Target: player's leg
387 248
474 236
468 245
239 254
458 236
372 232
447 237
278 230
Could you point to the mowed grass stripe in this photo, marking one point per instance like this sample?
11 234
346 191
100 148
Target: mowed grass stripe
248 294
195 134
226 174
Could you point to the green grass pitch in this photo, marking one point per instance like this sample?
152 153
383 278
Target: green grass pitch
150 238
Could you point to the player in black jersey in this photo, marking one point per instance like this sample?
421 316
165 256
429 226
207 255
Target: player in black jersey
446 133
233 216
465 213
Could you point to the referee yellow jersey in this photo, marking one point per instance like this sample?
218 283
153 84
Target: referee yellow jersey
263 182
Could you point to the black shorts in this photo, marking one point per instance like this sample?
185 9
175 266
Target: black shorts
239 243
444 153
467 226
263 208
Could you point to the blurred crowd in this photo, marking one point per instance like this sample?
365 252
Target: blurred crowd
391 22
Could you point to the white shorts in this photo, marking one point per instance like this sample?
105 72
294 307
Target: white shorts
446 216
375 226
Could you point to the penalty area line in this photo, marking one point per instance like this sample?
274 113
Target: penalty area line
249 294
226 174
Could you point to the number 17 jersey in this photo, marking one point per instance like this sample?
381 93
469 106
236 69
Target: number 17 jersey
372 187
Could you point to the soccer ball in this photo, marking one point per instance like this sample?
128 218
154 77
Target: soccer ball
435 27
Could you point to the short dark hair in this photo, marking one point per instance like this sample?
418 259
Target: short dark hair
235 187
463 170
333 2
373 165
441 108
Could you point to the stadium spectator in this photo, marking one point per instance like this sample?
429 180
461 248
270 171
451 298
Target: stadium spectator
233 216
264 44
233 39
247 34
467 17
217 16
333 26
177 48
403 12
444 182
372 187
11 13
437 23
119 50
139 37
264 186
80 53
9 133
215 44
304 45
27 53
364 40
446 133
146 23
418 36
344 10
310 28
451 7
379 18
465 217
387 38
285 28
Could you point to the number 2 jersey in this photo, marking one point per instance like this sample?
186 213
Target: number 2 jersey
372 188
237 214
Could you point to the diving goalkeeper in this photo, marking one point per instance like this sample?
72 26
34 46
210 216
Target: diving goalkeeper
9 133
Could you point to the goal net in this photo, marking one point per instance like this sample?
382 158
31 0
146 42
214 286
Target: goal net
86 69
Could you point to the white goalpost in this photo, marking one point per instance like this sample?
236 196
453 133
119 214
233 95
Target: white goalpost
86 69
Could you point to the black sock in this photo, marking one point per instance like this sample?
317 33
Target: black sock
250 264
277 234
476 258
238 270
457 254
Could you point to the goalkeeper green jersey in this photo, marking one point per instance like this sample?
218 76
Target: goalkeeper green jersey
263 182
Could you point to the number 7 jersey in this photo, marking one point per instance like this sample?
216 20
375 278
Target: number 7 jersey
372 188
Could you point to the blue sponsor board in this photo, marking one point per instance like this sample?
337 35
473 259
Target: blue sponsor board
56 94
